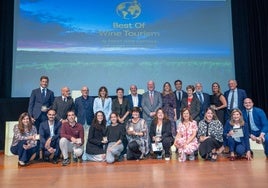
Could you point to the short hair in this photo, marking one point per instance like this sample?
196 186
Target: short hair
44 77
135 109
190 87
120 88
177 81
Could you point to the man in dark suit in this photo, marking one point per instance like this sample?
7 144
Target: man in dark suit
84 107
180 94
40 101
257 123
151 101
49 137
235 98
134 99
204 99
63 104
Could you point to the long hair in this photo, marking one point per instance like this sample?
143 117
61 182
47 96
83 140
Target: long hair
241 120
170 89
95 122
20 124
182 111
216 83
213 112
155 120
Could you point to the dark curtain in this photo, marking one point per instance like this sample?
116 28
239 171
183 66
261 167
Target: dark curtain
6 43
250 29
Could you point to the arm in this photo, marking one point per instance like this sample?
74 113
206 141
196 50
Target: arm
192 137
223 101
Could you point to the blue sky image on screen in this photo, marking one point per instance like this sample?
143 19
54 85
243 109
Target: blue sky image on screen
118 43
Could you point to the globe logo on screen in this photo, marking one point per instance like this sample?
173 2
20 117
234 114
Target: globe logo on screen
128 10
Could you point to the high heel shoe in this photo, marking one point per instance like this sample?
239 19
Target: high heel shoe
232 158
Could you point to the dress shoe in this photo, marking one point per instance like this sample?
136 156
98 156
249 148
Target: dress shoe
232 158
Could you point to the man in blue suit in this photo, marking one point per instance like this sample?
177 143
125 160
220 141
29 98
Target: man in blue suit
134 98
40 101
49 137
84 108
258 124
235 98
179 94
204 99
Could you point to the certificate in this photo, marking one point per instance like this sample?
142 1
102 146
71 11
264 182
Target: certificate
238 132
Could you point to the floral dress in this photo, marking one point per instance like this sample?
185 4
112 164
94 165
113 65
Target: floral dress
183 133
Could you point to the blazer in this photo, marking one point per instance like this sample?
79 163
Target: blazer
94 145
165 132
178 103
241 96
84 110
259 118
194 109
36 102
129 97
147 107
44 132
62 107
244 139
204 105
106 109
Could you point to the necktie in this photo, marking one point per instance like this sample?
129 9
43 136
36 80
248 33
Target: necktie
65 99
151 98
248 120
43 93
179 95
232 101
200 98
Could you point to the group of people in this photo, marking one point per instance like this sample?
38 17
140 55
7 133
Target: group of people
134 126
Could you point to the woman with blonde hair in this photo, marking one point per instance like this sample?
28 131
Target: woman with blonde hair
237 134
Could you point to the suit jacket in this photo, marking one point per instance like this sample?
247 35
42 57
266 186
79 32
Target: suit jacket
106 109
147 107
62 107
84 110
194 109
241 96
204 105
165 132
259 118
244 139
129 97
36 102
44 132
178 103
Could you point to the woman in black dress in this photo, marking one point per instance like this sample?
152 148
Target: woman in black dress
218 102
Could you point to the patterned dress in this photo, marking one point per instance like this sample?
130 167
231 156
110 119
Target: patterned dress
184 132
169 104
142 141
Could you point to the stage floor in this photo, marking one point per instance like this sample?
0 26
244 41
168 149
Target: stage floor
143 173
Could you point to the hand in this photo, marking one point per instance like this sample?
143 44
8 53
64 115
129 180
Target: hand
51 150
231 133
253 138
248 155
26 146
47 144
73 140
